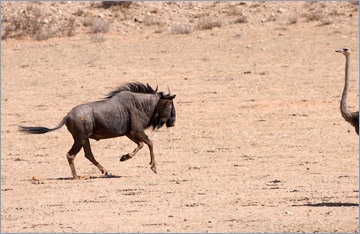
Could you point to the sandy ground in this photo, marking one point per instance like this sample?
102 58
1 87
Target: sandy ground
259 143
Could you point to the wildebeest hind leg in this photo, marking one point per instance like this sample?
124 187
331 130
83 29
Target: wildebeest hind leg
130 155
71 156
89 155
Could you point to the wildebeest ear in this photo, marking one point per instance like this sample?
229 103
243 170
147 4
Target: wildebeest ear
171 97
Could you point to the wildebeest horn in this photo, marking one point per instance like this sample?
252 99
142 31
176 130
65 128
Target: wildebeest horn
168 90
157 86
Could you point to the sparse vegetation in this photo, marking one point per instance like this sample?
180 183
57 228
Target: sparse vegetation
34 24
335 12
150 21
208 23
97 25
270 18
234 11
325 21
255 4
41 20
69 28
97 39
180 28
354 5
241 19
292 20
309 5
122 4
313 16
81 12
161 28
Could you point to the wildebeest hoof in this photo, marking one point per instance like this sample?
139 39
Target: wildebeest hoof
153 168
125 157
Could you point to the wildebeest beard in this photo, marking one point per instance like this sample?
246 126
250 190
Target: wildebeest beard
171 121
160 124
156 123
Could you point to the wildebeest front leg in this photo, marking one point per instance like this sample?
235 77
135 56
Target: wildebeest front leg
142 137
130 155
89 155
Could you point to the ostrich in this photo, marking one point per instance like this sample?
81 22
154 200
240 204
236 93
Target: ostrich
351 117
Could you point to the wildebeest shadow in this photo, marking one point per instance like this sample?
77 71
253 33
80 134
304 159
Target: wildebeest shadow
90 178
71 178
329 204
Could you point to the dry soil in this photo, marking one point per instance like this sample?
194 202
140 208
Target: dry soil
259 143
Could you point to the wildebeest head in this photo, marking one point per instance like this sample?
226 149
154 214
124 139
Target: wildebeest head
164 111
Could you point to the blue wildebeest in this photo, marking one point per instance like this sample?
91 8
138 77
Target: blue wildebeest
126 111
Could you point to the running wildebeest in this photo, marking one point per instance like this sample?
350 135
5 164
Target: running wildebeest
128 110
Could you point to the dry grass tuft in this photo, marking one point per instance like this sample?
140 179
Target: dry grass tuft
97 25
97 39
241 19
234 11
180 28
309 5
325 21
81 12
313 16
69 28
255 4
292 20
335 12
121 4
150 21
208 23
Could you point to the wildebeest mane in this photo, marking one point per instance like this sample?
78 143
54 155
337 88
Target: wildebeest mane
135 87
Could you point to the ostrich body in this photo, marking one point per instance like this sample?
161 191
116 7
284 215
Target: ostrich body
351 117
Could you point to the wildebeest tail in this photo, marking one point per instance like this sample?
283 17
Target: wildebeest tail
41 130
